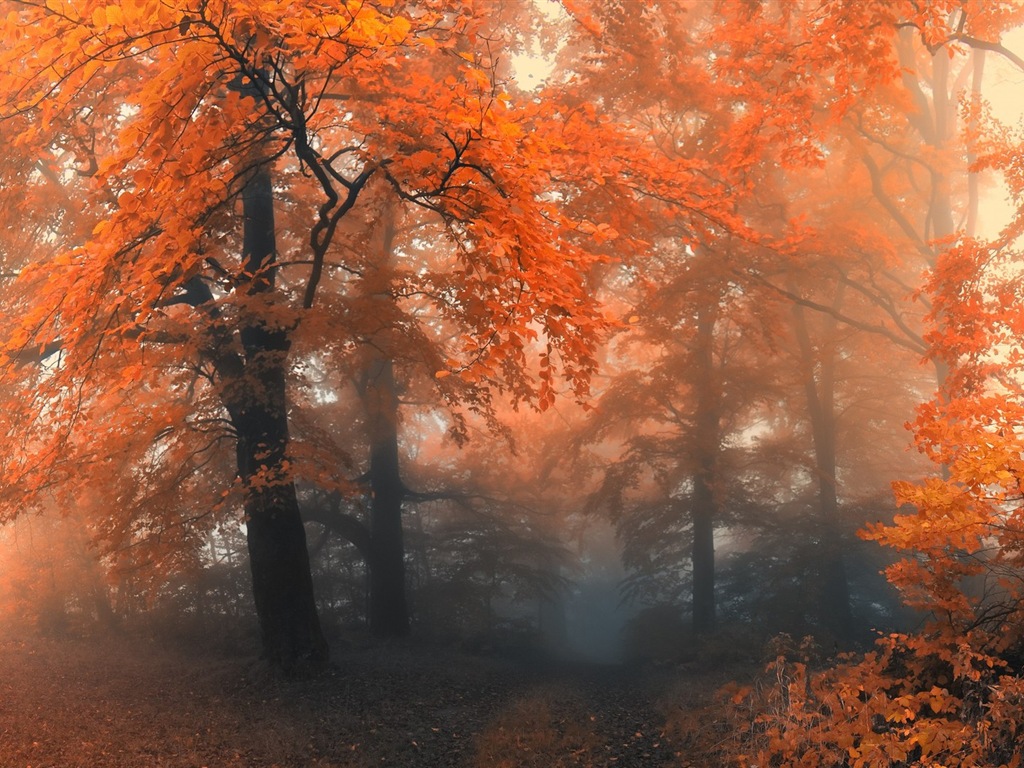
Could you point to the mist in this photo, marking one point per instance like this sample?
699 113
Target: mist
510 384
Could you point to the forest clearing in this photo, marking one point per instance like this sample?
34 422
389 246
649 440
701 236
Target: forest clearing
511 383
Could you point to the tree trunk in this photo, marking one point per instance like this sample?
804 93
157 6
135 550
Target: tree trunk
707 441
381 542
820 393
281 579
389 612
256 400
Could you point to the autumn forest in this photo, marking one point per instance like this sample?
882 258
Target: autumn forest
512 383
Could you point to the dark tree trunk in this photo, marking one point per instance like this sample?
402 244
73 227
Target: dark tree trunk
256 401
707 442
820 393
381 540
389 613
278 557
388 607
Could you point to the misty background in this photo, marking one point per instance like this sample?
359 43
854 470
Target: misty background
746 421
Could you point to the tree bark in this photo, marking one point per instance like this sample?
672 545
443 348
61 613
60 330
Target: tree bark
820 393
381 541
388 609
389 612
256 401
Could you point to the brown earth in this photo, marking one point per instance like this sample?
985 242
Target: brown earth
131 702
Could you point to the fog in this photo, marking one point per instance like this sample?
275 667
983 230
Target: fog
571 342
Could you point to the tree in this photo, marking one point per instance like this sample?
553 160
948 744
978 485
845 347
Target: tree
179 111
673 417
948 693
764 221
685 381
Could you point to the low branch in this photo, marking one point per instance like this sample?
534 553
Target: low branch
881 330
327 512
35 354
986 45
893 210
885 304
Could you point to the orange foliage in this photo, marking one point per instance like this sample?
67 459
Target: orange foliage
138 125
911 702
152 115
951 694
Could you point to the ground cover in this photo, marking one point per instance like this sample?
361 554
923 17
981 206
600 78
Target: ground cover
137 702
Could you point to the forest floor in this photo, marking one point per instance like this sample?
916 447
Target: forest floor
132 702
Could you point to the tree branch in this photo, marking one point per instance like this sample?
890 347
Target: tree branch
881 330
327 512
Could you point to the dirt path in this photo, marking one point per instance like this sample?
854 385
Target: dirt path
129 703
